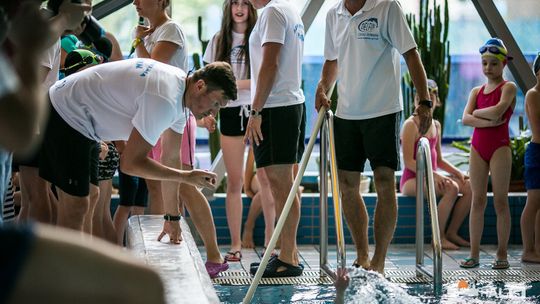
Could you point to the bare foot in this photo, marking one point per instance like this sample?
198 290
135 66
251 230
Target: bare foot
247 238
364 263
377 266
456 239
447 245
530 257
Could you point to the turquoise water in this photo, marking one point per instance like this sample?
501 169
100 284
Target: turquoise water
368 287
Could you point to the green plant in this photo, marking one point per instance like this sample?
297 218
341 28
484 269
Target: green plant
213 138
518 145
431 35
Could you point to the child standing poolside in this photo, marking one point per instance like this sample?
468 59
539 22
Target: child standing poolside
447 188
488 110
530 227
230 44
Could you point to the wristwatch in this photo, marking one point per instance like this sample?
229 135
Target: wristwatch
426 102
172 218
255 113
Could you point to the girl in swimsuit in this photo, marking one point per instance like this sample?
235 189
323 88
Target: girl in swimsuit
488 110
446 187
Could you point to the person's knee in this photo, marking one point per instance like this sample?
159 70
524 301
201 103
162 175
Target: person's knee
234 185
77 209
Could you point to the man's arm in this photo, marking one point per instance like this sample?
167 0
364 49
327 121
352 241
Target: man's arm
265 82
135 161
170 157
328 77
419 79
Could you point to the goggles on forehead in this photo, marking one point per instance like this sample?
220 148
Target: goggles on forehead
493 50
432 86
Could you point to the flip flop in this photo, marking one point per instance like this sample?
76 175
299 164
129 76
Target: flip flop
271 270
500 264
214 269
233 256
469 263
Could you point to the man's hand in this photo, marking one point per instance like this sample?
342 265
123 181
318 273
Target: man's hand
426 118
103 151
173 230
253 130
201 178
321 99
209 122
29 30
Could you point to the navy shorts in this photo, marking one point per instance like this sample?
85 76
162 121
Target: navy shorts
283 130
532 166
133 191
375 139
233 121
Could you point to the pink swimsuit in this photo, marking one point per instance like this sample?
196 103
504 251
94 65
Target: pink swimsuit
409 174
487 140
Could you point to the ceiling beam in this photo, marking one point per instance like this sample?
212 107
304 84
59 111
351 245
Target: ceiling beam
497 27
309 12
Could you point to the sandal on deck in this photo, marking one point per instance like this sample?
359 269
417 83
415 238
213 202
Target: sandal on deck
233 256
214 269
500 264
273 266
469 263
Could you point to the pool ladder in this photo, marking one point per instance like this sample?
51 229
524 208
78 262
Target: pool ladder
424 171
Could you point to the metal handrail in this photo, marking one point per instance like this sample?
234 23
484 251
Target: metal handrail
423 165
327 143
285 212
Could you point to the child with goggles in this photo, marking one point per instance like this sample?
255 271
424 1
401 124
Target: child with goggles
488 110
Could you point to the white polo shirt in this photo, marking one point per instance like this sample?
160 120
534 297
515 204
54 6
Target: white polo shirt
367 47
105 102
279 22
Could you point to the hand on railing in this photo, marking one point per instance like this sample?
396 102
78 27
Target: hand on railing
321 98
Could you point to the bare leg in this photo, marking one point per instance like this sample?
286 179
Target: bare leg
281 181
537 232
501 166
478 170
529 226
233 155
72 210
355 212
461 209
102 222
119 221
254 210
200 212
155 196
385 215
88 218
268 206
35 202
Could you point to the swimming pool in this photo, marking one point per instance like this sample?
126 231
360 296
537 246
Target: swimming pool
369 288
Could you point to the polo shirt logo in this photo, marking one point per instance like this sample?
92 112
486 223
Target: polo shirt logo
368 29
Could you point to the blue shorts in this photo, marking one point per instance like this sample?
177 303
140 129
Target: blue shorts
532 166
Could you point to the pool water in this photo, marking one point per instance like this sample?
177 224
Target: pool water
372 288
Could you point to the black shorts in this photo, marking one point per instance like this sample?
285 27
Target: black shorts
133 191
233 121
375 139
68 159
107 167
283 130
25 161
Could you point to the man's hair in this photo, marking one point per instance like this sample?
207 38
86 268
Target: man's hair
218 76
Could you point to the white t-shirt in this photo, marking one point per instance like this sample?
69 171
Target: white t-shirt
238 64
367 47
105 102
279 22
172 32
51 60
